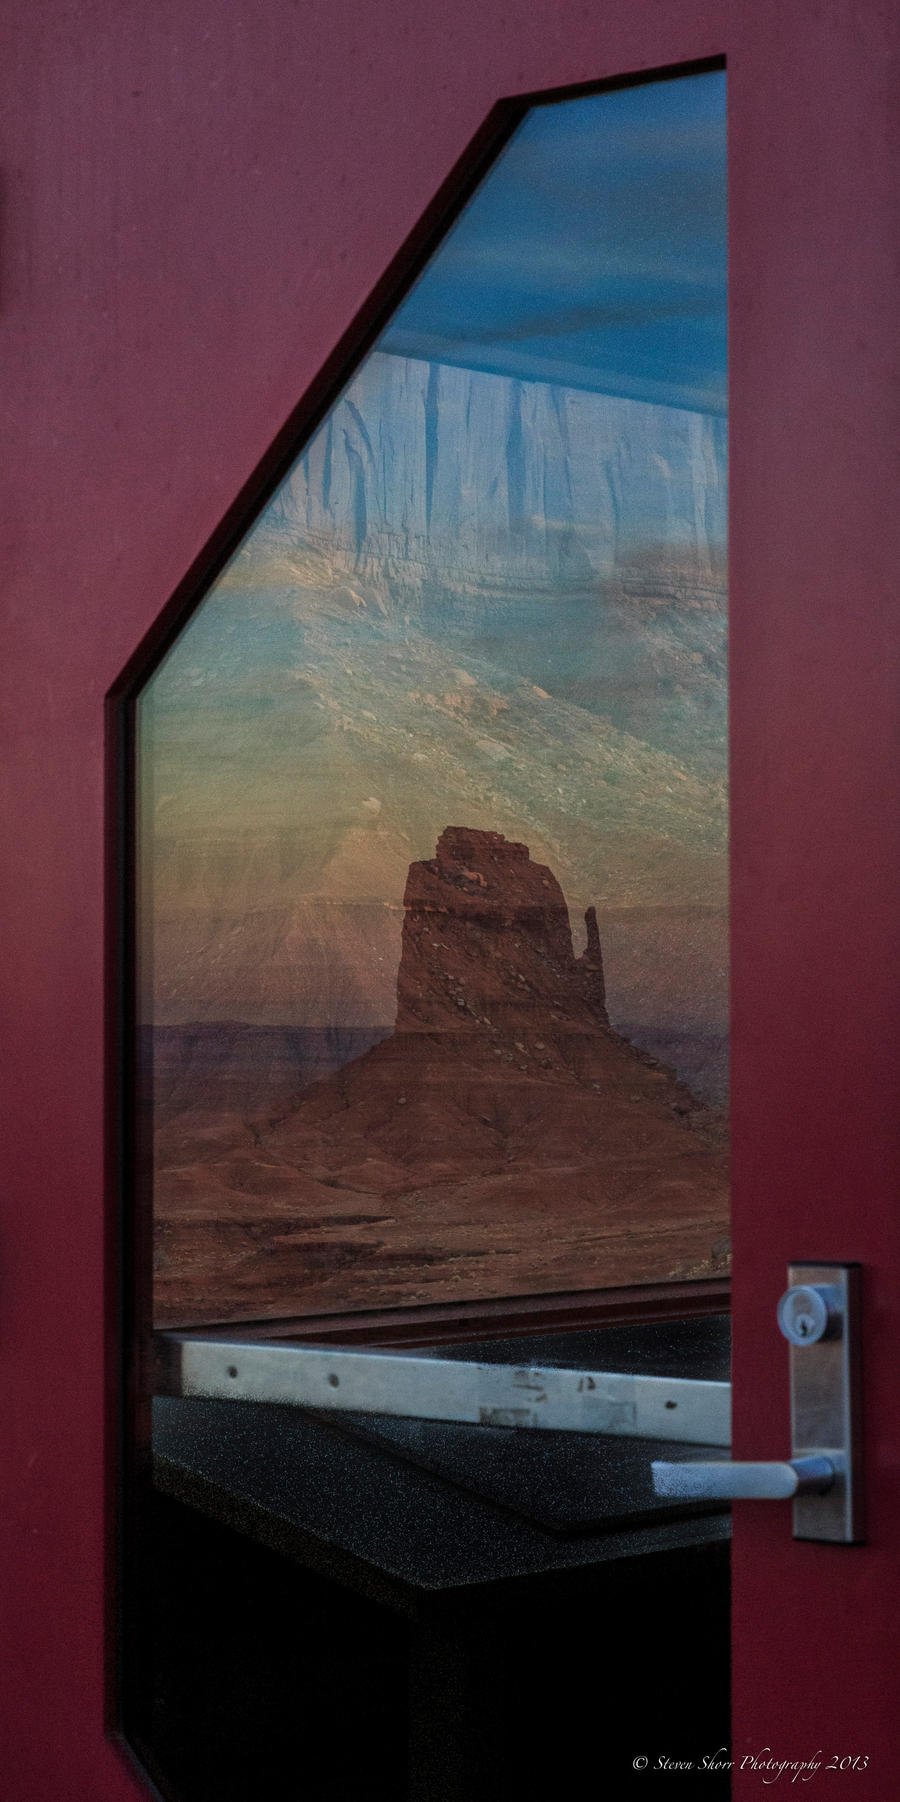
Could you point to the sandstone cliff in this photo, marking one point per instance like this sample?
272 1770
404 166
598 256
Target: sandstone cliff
427 471
473 599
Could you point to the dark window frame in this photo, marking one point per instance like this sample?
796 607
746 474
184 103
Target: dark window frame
129 1144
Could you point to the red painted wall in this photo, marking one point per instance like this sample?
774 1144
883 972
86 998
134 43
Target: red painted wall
198 198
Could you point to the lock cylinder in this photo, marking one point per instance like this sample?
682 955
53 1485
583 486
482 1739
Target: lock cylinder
809 1312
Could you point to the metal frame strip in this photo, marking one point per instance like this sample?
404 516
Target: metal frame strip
430 1388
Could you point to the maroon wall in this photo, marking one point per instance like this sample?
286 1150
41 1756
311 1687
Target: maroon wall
199 197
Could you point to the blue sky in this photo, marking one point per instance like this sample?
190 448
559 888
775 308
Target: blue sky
594 252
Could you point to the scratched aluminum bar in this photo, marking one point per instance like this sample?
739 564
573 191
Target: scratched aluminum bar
422 1388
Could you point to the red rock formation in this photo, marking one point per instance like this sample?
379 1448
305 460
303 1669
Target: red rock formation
503 1140
487 943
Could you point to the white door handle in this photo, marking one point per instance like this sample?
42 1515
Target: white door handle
724 1481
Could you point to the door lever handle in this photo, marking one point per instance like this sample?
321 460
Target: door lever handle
820 1317
724 1481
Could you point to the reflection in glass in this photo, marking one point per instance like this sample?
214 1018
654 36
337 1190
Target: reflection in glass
433 833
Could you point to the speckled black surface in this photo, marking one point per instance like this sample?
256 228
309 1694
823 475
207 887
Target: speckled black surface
568 1482
396 1506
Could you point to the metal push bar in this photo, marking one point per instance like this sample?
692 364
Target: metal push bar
426 1388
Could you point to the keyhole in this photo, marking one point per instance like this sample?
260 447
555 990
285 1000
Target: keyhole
807 1313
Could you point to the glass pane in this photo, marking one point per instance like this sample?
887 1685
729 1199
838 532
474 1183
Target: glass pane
433 828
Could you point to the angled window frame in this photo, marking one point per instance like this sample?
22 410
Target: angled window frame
130 1128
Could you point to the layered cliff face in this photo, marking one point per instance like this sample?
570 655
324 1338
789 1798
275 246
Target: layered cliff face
503 1139
427 472
473 599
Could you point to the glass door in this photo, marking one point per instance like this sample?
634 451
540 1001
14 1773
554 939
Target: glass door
433 783
432 910
263 184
